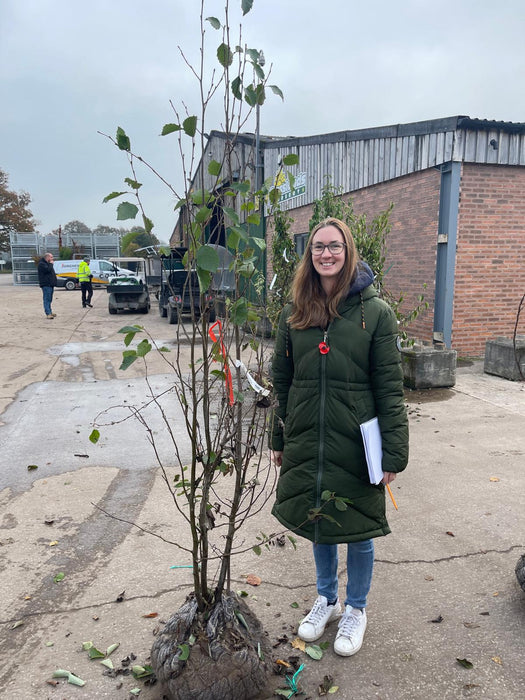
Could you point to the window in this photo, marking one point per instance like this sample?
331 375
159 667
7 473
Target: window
300 240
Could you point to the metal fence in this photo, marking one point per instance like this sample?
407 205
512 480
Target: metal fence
28 248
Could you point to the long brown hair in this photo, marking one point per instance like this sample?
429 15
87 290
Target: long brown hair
311 305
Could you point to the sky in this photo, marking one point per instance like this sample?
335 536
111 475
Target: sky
70 69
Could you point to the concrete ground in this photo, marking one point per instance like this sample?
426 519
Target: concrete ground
444 586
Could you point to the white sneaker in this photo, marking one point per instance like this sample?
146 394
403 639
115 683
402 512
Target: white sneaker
312 627
351 631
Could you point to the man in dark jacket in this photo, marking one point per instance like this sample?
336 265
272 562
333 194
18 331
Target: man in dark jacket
47 280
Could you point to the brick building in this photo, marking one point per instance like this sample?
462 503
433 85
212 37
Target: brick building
458 223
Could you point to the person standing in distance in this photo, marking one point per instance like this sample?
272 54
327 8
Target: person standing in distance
47 280
336 365
85 277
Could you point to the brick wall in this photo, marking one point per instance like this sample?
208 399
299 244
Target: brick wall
490 269
411 243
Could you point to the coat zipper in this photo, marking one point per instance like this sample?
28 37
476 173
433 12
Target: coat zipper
320 465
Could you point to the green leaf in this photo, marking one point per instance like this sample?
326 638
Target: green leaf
32 467
231 214
340 505
94 653
129 357
276 91
148 224
132 183
257 550
250 95
190 125
143 348
203 215
259 242
59 577
284 692
95 436
274 195
214 168
326 495
169 129
225 55
239 311
126 210
465 663
291 159
253 219
184 652
241 619
71 678
207 258
241 187
254 54
314 651
258 71
142 671
200 197
108 664
112 648
113 195
246 6
131 329
294 605
237 88
233 239
123 141
214 22
204 279
293 541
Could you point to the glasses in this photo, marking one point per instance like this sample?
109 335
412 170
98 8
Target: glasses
336 248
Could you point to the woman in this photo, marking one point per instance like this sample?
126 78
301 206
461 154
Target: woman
336 365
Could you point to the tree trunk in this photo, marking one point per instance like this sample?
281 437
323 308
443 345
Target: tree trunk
520 571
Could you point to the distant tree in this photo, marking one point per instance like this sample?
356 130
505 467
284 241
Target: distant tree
102 230
14 214
75 227
135 239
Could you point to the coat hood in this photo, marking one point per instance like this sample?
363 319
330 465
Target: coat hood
363 278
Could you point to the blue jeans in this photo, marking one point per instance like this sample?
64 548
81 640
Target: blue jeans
47 293
359 567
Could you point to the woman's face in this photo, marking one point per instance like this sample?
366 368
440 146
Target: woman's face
328 264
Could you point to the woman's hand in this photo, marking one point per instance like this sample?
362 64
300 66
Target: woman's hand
276 457
388 477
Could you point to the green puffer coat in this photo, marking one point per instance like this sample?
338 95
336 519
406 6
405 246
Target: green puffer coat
322 399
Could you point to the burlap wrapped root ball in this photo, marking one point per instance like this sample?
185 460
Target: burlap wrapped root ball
230 655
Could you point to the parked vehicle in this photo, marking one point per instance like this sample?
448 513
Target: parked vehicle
146 269
179 292
128 293
102 271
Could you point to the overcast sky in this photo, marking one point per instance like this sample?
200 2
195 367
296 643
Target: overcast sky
71 68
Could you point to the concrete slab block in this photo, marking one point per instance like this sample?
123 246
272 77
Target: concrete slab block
428 367
502 360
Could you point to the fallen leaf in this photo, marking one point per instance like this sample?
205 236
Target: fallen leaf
438 619
112 648
71 678
471 686
59 577
314 651
53 543
496 593
27 597
497 660
471 625
280 662
50 681
465 663
31 467
152 614
494 478
325 685
333 689
294 605
18 623
108 664
429 578
451 534
299 644
253 580
120 597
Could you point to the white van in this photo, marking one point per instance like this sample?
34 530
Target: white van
102 270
